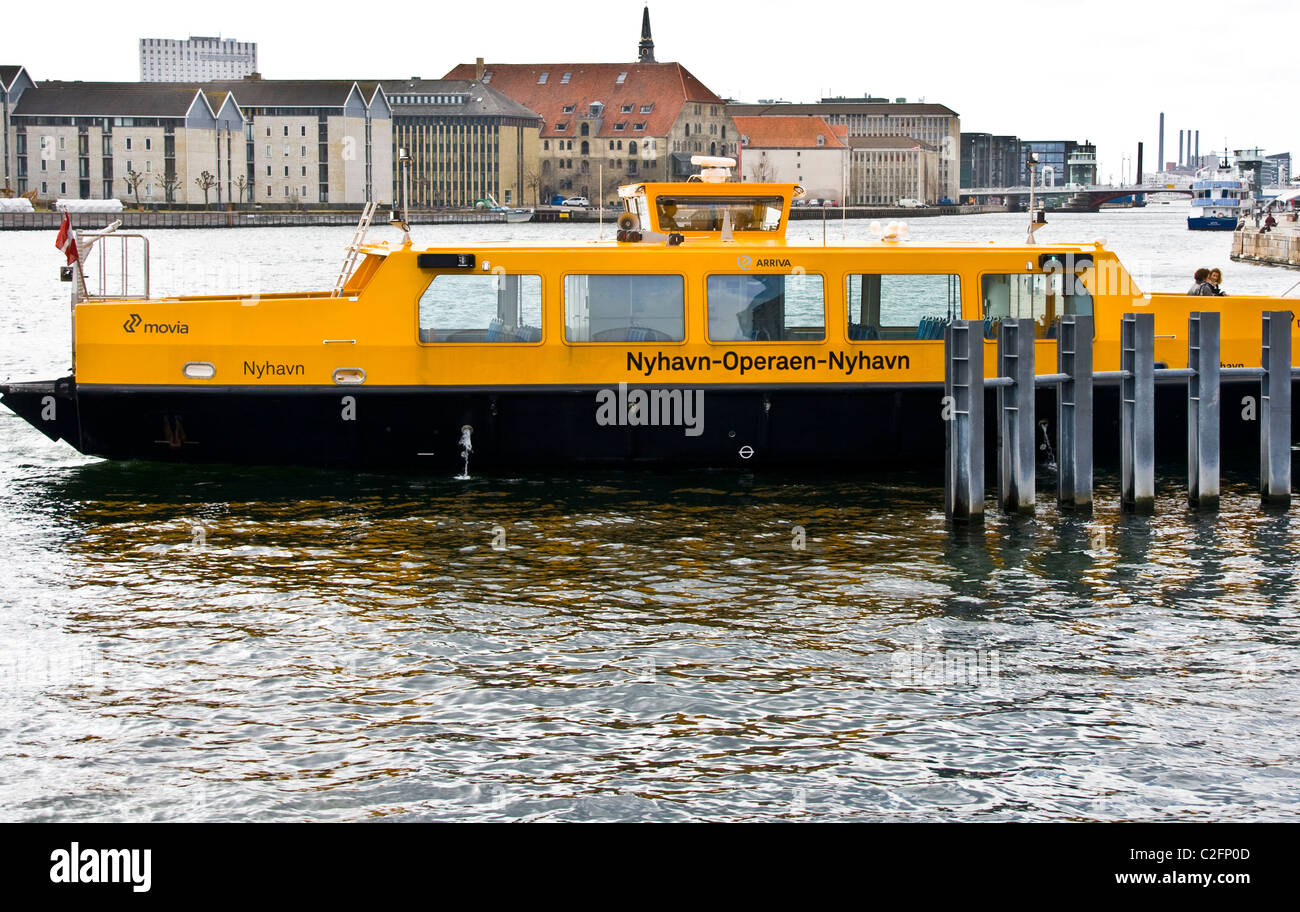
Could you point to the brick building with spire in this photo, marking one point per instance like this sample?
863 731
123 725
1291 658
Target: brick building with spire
607 124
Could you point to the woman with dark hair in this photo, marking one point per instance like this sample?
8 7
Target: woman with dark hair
1198 279
1210 287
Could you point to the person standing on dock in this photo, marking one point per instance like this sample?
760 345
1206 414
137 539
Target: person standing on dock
1269 222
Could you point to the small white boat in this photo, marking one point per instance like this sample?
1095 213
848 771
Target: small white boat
513 215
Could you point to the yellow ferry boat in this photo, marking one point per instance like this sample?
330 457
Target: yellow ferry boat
698 336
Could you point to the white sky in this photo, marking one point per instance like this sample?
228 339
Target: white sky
1101 70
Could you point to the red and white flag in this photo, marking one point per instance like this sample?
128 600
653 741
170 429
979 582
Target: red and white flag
65 241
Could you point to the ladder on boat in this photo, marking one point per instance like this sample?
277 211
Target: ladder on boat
350 261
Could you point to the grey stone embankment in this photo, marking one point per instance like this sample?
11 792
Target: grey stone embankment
41 221
1278 247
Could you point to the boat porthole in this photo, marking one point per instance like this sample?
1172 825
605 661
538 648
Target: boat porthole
199 370
347 376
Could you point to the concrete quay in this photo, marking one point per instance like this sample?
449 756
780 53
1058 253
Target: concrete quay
1278 247
132 220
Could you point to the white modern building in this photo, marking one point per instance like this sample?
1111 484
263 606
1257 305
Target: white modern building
196 59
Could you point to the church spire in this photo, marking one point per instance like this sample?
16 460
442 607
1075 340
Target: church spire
646 49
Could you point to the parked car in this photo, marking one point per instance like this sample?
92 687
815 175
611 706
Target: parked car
908 203
576 201
557 199
814 202
946 202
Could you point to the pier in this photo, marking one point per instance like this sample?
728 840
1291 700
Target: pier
1279 246
1016 381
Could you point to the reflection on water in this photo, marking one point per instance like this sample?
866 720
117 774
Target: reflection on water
207 644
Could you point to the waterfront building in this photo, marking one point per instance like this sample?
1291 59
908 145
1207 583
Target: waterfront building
86 140
1277 169
885 169
271 142
795 150
196 59
607 124
1055 159
314 140
14 80
935 126
466 141
989 161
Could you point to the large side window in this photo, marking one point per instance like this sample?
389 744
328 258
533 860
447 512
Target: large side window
482 308
1041 297
624 308
766 308
902 306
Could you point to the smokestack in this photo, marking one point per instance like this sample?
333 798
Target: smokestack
478 69
1160 162
1198 147
1138 182
1180 148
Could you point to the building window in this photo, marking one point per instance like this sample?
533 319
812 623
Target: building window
304 174
286 129
148 143
646 109
626 109
128 144
567 109
268 170
638 126
624 308
541 79
481 308
303 151
564 80
286 174
304 131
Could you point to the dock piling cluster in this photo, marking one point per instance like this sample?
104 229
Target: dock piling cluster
964 386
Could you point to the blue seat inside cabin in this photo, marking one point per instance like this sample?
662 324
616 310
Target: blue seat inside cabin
931 327
640 334
863 332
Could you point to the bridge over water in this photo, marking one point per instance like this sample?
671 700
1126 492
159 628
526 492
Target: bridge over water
1085 199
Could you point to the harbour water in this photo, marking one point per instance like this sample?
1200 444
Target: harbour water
229 644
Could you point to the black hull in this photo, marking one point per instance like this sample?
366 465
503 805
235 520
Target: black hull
515 429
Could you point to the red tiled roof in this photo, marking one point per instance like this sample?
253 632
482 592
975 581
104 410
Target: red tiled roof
666 86
778 132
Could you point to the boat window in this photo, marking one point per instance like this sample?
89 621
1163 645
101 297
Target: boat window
750 307
1042 298
624 308
902 306
704 213
482 308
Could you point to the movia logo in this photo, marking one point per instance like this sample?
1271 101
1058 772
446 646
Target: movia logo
177 328
744 262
